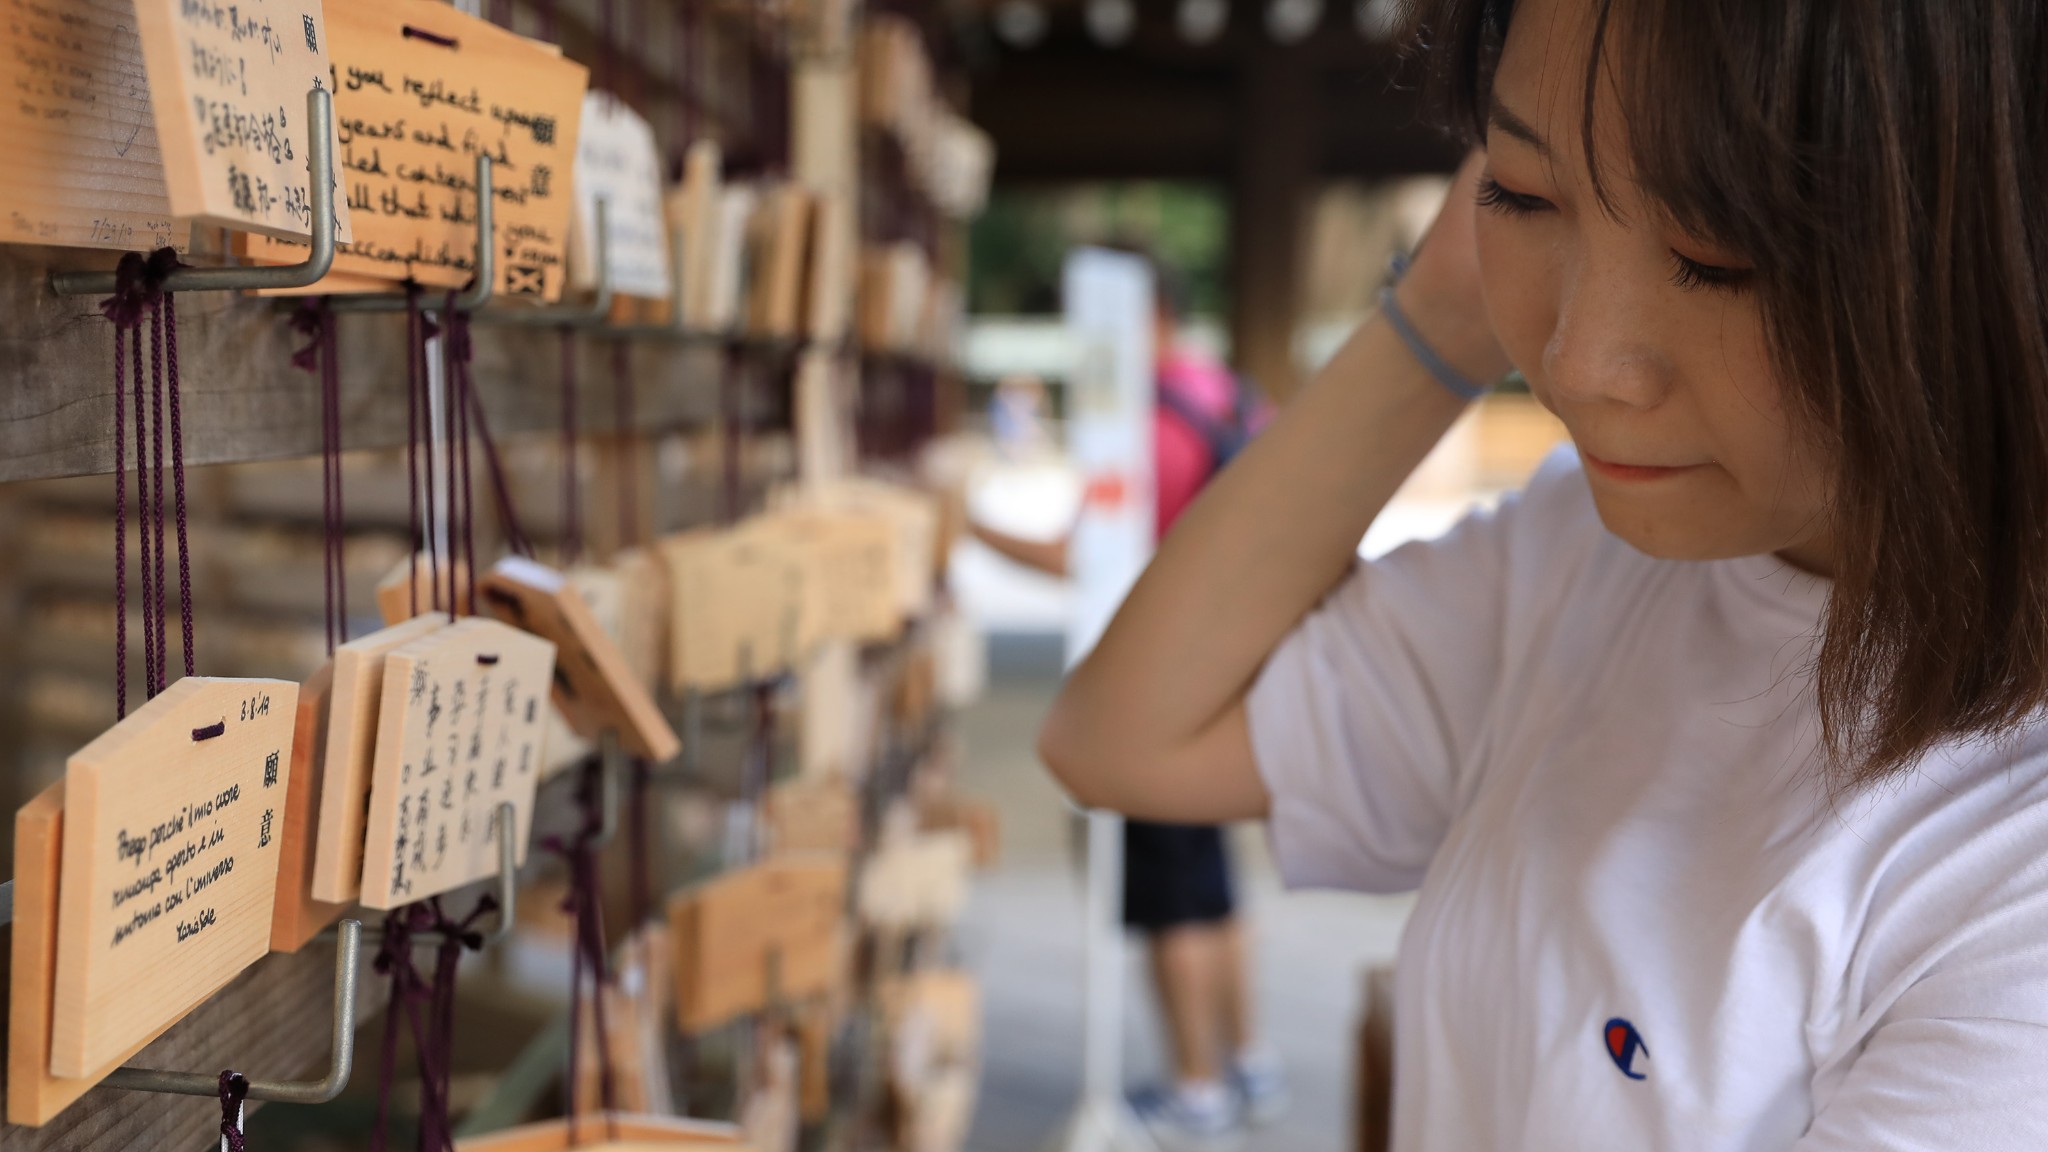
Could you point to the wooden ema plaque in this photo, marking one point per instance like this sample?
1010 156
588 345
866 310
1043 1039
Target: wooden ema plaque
644 600
228 82
170 866
692 210
736 602
916 881
813 816
608 1132
34 1097
851 592
83 168
778 245
592 685
413 581
785 915
617 162
421 91
348 753
297 916
458 733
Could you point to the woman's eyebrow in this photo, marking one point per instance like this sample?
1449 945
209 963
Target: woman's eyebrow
1498 116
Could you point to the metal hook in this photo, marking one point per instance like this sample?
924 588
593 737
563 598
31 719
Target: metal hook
591 315
483 283
319 170
341 1058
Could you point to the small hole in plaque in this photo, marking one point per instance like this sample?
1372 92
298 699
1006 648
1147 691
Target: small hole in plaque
412 33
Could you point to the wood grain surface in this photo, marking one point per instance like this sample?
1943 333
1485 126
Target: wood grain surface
244 400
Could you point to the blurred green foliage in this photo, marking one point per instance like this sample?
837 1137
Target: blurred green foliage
1019 242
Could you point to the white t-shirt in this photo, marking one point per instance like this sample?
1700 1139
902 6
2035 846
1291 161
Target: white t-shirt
1642 923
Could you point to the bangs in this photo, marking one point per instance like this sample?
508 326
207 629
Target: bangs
1699 86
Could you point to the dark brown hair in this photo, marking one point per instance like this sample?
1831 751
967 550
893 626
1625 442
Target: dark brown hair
1883 163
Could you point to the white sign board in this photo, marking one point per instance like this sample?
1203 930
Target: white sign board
1109 311
617 162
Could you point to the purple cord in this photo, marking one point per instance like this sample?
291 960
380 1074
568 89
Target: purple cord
160 651
178 477
120 529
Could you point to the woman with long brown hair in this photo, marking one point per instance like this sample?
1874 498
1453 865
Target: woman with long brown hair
1716 754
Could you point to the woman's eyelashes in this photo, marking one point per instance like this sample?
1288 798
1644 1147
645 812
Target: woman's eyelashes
1497 198
1694 275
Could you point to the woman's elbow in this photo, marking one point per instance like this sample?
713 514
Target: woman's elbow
1065 748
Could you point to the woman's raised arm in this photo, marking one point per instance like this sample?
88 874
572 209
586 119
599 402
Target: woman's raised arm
1152 723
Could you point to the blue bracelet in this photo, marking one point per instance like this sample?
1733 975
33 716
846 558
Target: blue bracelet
1454 381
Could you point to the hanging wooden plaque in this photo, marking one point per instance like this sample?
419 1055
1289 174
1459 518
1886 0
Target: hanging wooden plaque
421 582
458 733
348 755
617 162
692 209
297 916
813 816
644 600
34 1097
778 921
83 168
918 881
174 818
592 686
421 90
736 602
228 83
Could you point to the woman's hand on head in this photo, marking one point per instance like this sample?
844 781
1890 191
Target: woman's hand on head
1441 293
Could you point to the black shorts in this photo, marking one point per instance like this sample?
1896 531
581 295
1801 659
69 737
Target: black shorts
1174 874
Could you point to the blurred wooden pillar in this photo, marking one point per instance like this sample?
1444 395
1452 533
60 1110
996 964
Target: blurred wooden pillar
1276 163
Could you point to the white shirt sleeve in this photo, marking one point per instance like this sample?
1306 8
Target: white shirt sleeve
1364 718
1958 1061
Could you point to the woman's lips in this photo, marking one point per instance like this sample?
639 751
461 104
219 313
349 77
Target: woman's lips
1633 472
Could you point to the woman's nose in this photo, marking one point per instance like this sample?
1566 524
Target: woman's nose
1602 346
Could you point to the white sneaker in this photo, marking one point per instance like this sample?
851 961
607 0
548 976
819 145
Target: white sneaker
1261 1085
1195 1117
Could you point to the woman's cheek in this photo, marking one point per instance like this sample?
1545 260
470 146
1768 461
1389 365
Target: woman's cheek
1519 289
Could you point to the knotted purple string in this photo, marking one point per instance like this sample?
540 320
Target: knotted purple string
428 1008
138 291
585 903
124 309
234 1088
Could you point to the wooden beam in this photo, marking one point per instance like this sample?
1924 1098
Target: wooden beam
245 401
1276 168
271 1022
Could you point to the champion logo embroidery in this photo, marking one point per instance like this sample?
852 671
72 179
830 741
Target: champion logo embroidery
1624 1045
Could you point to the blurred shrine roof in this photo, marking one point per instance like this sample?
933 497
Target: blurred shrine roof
1064 105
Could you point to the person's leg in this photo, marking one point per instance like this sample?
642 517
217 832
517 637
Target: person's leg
1188 971
1234 989
1168 896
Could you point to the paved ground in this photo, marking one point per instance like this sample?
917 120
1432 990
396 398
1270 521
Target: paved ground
1023 936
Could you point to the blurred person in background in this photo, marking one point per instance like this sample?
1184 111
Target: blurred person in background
1016 417
1178 889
